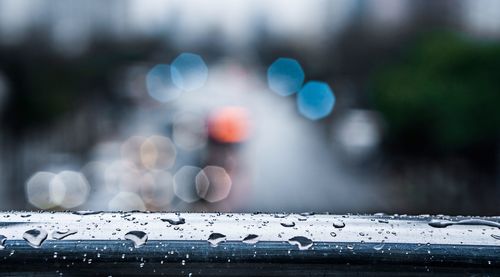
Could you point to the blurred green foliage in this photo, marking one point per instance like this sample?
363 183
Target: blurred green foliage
443 94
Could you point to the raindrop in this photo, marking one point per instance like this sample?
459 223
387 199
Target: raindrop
288 224
281 215
62 234
302 242
383 221
338 224
333 234
35 237
86 212
495 236
307 214
2 241
174 221
251 239
445 223
379 246
139 238
215 238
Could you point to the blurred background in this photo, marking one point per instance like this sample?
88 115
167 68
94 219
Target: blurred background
230 105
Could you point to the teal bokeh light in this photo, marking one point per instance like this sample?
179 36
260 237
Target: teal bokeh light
159 84
315 100
189 72
285 76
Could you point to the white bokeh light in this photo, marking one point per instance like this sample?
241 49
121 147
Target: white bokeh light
185 183
213 184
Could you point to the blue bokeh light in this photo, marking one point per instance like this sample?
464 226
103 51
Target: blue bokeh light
315 100
159 84
285 76
189 72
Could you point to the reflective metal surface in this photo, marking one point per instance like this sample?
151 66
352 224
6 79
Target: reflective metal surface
233 244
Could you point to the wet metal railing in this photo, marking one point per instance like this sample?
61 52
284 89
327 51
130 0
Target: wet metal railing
245 244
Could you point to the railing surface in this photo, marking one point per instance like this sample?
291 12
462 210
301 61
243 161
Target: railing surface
245 244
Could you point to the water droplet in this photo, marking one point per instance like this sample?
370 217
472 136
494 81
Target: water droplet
379 246
288 224
25 215
383 221
350 246
281 215
338 223
35 237
251 239
333 234
86 212
307 213
445 223
215 238
302 242
174 221
139 238
3 239
495 236
62 234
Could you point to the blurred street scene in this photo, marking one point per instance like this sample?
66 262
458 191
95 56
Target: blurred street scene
338 106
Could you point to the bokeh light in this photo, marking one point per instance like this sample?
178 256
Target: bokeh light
285 76
76 188
122 175
157 152
185 183
315 100
229 124
213 184
68 189
38 190
189 71
159 84
131 149
157 189
359 133
189 131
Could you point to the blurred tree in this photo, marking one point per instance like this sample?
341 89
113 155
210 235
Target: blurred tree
443 94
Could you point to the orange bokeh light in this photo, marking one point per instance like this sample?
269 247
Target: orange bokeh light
229 125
